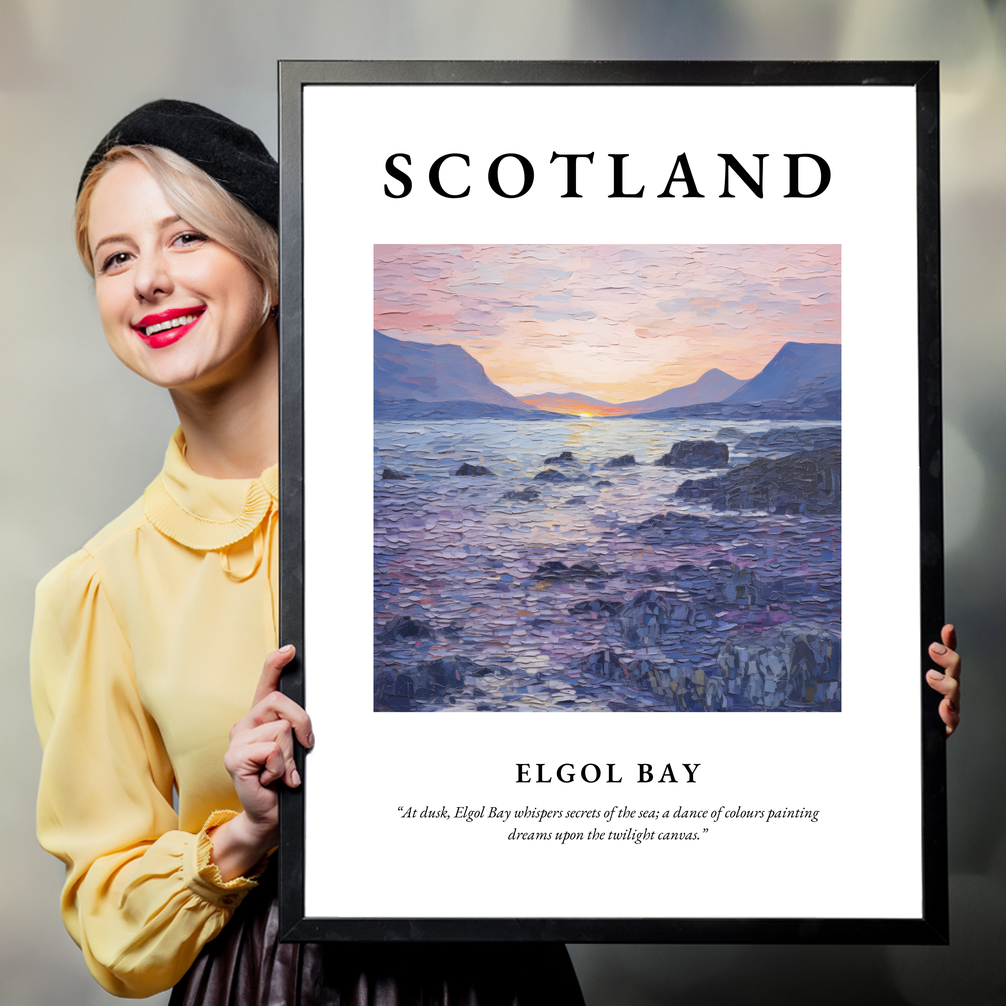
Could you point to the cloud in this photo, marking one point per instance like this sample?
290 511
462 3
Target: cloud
576 313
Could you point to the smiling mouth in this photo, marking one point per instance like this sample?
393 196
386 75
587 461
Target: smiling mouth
185 319
165 324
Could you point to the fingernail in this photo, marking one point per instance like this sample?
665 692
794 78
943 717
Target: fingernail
310 740
295 777
938 648
287 649
936 675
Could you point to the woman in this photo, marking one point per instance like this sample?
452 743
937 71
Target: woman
149 642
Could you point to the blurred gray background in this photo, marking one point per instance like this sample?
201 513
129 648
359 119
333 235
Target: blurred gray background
82 436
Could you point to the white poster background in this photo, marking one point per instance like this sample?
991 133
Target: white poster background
860 768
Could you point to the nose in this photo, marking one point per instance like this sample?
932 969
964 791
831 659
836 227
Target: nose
152 277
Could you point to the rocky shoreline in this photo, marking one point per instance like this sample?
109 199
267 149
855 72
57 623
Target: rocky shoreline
755 625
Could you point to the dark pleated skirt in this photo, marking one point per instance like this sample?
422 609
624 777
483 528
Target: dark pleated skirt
246 965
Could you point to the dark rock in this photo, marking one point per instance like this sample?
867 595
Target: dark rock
695 454
393 691
553 566
651 575
393 703
644 618
692 578
696 689
604 664
565 456
438 677
807 482
587 568
575 500
612 666
651 613
721 582
793 667
555 570
673 517
404 627
390 473
404 685
467 469
671 520
622 461
799 588
735 584
595 607
550 475
731 431
789 439
648 600
602 482
522 494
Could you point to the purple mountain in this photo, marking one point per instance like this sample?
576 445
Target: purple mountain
798 371
417 371
713 386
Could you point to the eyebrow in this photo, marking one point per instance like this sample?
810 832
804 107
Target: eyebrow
111 238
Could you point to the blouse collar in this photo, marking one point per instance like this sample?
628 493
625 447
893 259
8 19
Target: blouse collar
204 513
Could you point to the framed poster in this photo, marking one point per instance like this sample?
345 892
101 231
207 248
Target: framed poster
611 500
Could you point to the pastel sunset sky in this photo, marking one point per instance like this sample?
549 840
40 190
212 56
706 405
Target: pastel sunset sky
619 323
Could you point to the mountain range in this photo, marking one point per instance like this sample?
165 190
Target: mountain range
713 386
415 371
802 381
799 369
413 380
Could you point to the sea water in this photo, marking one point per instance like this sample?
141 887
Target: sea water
476 571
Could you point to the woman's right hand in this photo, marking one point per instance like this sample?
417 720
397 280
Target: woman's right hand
259 754
948 681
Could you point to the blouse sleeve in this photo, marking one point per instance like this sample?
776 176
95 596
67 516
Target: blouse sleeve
141 898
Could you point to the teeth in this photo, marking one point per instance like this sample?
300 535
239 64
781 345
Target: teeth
174 323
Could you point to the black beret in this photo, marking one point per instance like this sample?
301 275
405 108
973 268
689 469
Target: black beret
231 154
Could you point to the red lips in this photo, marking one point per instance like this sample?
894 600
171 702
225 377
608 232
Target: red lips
170 334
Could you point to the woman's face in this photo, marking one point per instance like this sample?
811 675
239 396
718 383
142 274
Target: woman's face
177 308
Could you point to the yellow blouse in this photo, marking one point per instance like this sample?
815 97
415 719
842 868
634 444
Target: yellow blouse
147 647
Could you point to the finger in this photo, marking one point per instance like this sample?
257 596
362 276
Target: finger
261 760
276 706
948 659
274 766
945 685
949 708
271 670
950 716
280 733
949 636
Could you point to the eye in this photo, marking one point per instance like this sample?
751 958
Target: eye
189 239
115 261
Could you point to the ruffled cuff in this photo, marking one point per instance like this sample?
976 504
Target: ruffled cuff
203 878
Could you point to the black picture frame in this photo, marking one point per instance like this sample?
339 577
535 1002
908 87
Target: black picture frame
931 927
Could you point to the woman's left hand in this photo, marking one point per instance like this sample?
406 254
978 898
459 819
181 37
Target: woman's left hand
948 681
260 754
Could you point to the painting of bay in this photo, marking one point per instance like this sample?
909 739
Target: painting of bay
607 478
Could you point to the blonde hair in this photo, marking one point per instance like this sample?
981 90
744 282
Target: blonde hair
199 200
